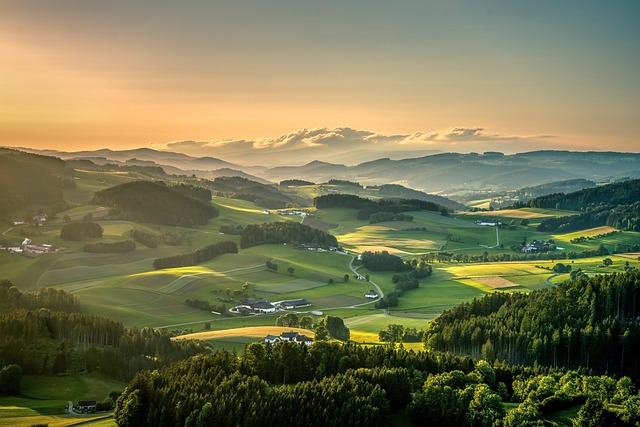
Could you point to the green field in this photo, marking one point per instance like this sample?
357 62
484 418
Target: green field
125 286
44 401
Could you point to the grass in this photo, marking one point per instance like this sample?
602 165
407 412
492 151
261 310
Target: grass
379 238
295 285
44 400
563 417
14 265
124 286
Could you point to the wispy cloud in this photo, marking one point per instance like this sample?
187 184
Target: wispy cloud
348 145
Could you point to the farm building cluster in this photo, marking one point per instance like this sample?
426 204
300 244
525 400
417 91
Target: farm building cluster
38 220
371 294
488 223
290 336
27 247
262 306
539 246
301 212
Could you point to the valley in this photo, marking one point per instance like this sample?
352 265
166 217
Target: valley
469 254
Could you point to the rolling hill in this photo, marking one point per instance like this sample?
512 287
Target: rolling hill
30 179
153 202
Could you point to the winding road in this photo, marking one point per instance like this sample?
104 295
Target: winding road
375 285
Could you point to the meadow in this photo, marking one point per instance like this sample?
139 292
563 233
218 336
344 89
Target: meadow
44 400
125 286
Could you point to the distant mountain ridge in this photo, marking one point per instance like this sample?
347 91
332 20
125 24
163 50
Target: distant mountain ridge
442 172
450 171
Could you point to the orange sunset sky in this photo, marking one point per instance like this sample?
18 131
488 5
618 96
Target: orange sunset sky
520 75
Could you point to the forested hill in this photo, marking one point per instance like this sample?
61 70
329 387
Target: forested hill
401 192
616 205
621 193
155 203
368 207
30 179
591 323
567 186
267 196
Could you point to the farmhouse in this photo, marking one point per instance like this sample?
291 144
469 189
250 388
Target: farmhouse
290 336
371 294
293 212
294 303
39 219
30 248
271 339
86 406
311 246
488 223
535 246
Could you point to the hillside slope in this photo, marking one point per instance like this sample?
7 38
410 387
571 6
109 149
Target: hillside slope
153 202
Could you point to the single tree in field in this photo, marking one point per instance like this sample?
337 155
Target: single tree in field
271 266
346 278
290 270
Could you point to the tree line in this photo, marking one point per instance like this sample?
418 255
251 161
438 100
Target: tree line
197 256
444 256
295 183
325 327
12 298
147 239
368 207
45 342
389 216
285 232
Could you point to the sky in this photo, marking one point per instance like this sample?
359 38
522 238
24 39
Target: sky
210 76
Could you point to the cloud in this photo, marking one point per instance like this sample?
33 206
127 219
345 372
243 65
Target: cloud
348 145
